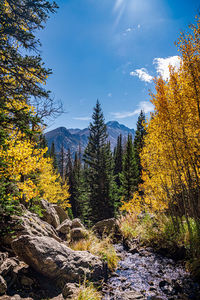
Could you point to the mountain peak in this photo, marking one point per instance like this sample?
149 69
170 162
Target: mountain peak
117 125
113 124
73 138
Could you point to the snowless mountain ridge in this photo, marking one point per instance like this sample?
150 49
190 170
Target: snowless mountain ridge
72 138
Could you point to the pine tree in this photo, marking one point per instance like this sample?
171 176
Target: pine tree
129 173
75 193
21 77
98 158
69 177
139 144
18 22
118 159
53 156
62 162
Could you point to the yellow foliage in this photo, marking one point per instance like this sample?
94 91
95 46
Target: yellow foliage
51 186
134 205
171 155
32 172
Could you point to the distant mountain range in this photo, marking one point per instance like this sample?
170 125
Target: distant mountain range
71 138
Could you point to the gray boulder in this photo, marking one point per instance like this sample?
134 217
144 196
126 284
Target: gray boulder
56 261
49 213
3 256
76 223
8 266
3 286
70 291
62 214
107 227
28 224
64 227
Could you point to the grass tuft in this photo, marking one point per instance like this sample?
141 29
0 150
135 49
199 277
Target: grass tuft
88 292
102 248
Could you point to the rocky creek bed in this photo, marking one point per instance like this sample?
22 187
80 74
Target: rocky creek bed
147 275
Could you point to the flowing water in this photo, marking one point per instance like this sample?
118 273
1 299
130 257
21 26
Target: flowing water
147 275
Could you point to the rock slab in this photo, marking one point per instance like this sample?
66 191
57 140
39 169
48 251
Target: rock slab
49 213
56 261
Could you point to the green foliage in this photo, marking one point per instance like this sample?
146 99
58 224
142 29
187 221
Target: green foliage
22 76
138 145
53 156
118 160
62 162
8 205
129 172
99 169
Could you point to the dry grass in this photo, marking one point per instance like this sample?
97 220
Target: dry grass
88 292
102 248
128 226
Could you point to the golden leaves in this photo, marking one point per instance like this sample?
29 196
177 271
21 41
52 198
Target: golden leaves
171 156
32 172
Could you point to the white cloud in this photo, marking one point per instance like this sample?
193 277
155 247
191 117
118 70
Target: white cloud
142 74
82 118
162 65
110 95
131 29
144 105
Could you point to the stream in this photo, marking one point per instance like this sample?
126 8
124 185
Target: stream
147 275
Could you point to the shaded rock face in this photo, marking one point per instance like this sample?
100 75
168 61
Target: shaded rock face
25 283
3 256
8 266
65 227
74 230
3 286
61 213
70 291
49 213
76 223
9 271
28 224
107 227
56 260
78 234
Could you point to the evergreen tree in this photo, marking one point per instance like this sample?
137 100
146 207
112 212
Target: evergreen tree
118 159
53 156
80 190
19 20
62 162
139 144
21 76
82 196
75 193
69 177
98 158
129 173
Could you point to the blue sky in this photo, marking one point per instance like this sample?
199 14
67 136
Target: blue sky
111 50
